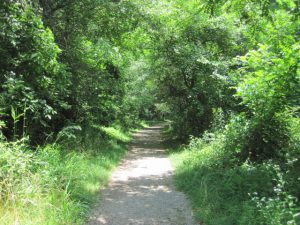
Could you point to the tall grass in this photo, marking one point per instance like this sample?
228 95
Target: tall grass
226 192
56 184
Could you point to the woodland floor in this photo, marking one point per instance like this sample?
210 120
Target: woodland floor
141 190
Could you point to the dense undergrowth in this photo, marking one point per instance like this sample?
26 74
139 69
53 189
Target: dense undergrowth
58 183
227 190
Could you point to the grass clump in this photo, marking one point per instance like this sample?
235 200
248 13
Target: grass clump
114 133
55 184
225 190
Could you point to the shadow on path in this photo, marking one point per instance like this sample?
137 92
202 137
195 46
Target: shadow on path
141 190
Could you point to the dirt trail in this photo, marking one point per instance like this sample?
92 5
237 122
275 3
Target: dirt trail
141 190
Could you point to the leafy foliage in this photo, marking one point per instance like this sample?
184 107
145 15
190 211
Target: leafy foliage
224 191
226 71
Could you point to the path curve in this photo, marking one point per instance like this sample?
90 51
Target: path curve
141 191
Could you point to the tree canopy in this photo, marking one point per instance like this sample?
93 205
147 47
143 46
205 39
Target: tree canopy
225 67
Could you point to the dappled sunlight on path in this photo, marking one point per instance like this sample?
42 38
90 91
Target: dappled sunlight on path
141 190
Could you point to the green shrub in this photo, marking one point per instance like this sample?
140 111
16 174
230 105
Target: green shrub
224 190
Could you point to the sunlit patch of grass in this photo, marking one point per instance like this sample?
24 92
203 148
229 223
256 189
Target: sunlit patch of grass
56 184
226 193
115 134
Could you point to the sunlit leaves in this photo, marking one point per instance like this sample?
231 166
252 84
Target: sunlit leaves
269 73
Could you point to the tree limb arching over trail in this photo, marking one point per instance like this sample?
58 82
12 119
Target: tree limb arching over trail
141 189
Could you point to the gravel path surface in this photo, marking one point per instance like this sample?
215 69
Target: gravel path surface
141 190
